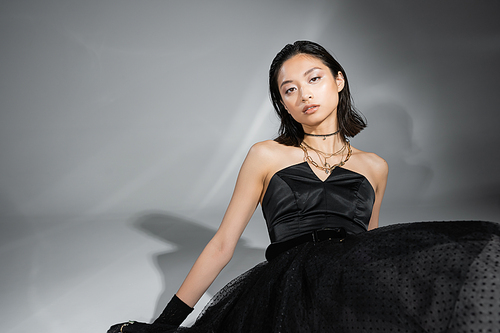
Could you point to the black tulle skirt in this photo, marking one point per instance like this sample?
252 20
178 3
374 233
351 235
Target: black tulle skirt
412 277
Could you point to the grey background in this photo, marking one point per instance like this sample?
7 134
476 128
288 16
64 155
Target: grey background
123 125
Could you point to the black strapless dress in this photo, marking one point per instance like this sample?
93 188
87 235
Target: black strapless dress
412 277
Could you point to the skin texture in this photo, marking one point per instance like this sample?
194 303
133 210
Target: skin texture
305 81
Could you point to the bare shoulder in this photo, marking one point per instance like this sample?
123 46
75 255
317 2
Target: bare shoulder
374 167
270 147
372 160
270 156
263 155
270 151
264 148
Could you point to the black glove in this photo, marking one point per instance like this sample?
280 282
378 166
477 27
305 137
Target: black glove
130 327
174 313
172 316
138 327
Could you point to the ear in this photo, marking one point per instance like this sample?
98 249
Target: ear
339 79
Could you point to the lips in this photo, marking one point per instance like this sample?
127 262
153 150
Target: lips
310 108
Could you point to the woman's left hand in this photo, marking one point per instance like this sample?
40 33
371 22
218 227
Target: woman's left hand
130 327
138 327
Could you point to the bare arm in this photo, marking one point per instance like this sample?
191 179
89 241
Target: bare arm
220 249
381 171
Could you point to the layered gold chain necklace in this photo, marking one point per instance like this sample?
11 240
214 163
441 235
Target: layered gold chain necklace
327 168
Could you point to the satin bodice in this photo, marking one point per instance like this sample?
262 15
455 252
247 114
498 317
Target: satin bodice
297 202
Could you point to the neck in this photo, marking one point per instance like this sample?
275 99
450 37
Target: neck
325 143
327 126
322 135
329 144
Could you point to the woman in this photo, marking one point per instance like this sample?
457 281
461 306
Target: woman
319 195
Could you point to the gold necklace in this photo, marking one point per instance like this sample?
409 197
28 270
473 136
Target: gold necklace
329 168
325 155
325 163
322 156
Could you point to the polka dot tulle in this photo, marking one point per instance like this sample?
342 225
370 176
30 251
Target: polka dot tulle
414 277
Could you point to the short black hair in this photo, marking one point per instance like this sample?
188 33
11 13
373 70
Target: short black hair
291 133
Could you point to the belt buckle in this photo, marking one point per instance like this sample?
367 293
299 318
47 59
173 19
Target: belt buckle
317 234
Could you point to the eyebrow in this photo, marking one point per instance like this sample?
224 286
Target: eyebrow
305 74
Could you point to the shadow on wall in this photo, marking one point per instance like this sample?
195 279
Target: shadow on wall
189 238
391 136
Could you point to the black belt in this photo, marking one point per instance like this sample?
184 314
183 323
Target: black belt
320 235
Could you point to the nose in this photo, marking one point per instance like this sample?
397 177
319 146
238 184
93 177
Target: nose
306 95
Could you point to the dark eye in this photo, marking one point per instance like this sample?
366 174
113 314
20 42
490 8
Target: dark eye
289 90
315 79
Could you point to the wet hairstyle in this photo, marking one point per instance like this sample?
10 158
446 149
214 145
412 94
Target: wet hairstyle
291 133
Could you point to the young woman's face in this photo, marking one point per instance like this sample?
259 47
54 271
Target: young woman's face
309 91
